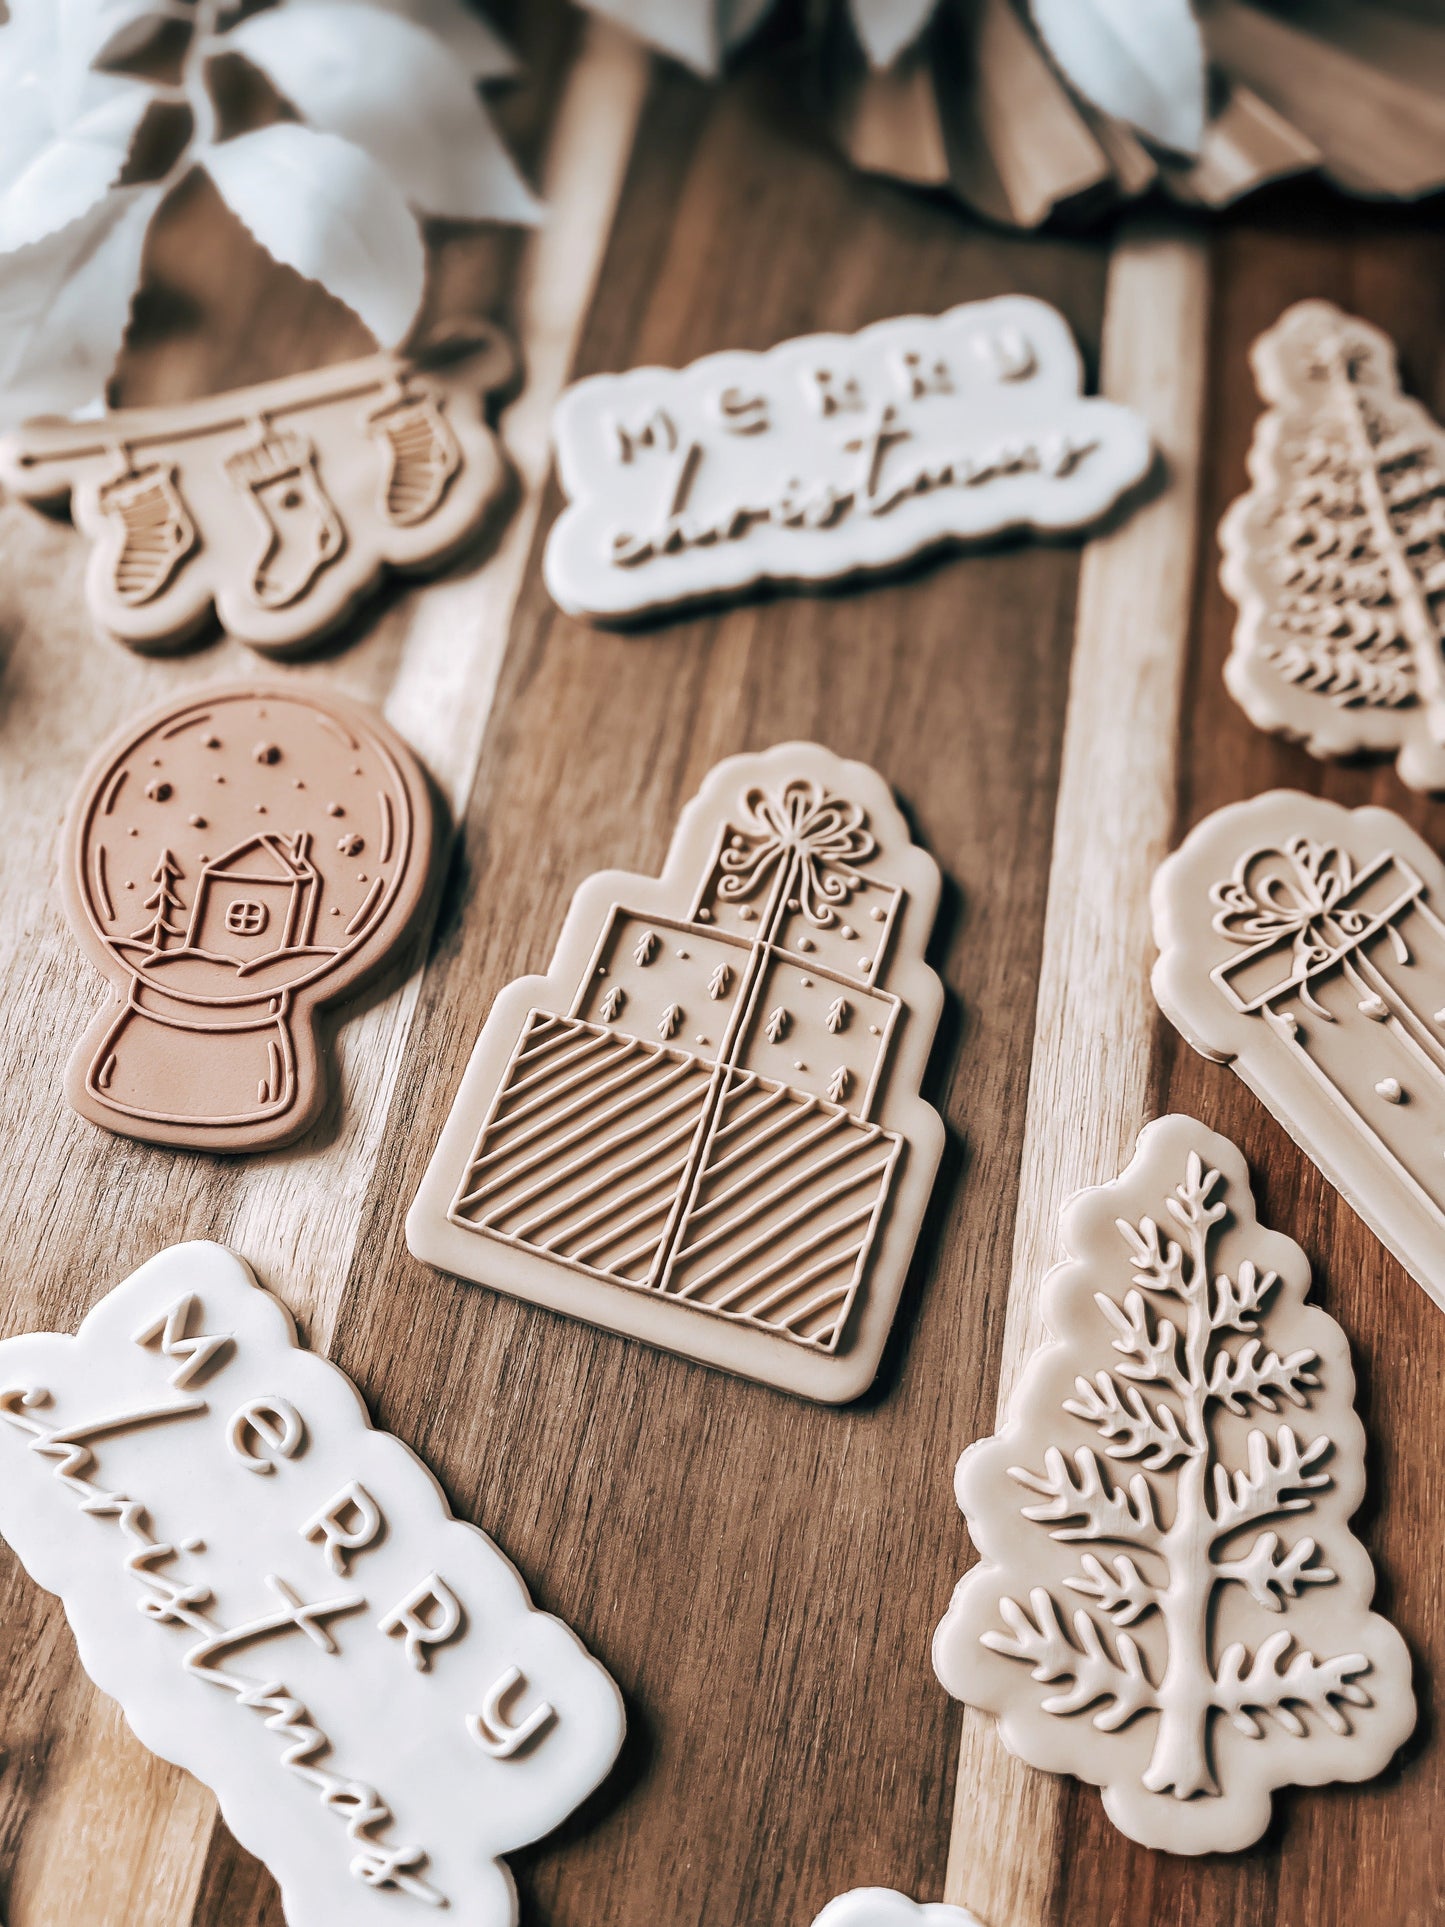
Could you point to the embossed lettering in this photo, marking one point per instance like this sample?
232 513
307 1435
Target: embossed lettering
195 1351
348 1523
430 1615
832 395
494 1732
919 378
264 1430
655 431
741 413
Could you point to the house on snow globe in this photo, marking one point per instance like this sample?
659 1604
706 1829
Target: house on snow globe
259 898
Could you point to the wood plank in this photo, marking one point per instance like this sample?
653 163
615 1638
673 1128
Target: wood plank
1095 1023
432 665
761 1575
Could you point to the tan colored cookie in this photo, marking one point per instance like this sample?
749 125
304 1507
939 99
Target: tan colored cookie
1336 556
233 862
1304 944
1169 1601
703 1126
278 508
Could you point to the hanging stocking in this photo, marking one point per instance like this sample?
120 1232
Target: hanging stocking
422 457
303 532
155 533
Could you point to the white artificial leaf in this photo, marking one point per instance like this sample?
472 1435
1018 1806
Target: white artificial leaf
887 27
686 29
64 174
322 206
59 41
64 305
1141 61
736 19
390 88
480 48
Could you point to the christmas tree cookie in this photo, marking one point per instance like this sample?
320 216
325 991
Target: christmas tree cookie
275 509
1304 944
1336 556
233 862
1169 1602
282 1603
703 1126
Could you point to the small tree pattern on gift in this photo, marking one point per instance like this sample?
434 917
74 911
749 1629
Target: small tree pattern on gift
1218 1642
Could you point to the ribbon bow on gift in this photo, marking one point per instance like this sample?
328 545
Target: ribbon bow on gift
824 832
1289 893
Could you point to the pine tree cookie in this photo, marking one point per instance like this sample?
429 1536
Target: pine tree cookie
275 509
232 863
1169 1602
282 1603
703 1126
1336 556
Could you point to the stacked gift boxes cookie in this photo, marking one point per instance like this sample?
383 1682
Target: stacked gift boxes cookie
698 1120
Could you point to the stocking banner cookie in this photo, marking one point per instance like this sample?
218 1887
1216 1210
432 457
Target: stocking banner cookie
830 455
1336 556
885 1907
282 1603
276 508
1304 944
232 863
1169 1602
702 1127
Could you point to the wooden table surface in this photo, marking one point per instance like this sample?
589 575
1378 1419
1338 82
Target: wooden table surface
762 1576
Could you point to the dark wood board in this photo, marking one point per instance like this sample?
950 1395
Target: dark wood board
762 1576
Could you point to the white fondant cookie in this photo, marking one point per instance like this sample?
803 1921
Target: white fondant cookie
1169 1602
884 1907
281 1601
830 455
703 1126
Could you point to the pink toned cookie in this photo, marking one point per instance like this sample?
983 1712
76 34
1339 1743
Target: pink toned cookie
234 862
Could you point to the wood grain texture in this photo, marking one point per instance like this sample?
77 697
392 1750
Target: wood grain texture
762 1576
1095 1023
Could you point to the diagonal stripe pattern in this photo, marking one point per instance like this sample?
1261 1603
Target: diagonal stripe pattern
587 1147
784 1212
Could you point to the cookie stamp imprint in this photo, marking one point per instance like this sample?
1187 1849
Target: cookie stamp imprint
275 509
703 1126
282 1603
830 455
1304 945
233 862
1169 1602
1336 556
